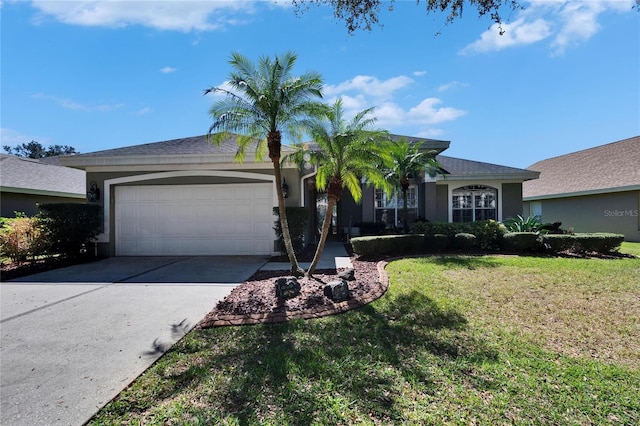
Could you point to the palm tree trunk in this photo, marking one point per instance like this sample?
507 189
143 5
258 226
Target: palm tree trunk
296 270
326 225
274 142
405 210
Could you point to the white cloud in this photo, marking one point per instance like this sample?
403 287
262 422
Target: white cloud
419 73
144 111
159 14
516 33
371 86
452 85
13 137
428 112
392 111
168 70
69 103
565 23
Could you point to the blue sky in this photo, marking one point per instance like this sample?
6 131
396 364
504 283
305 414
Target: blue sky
97 75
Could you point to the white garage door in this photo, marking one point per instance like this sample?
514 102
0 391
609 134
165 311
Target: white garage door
160 220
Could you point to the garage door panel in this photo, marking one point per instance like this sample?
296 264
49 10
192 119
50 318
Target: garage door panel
194 219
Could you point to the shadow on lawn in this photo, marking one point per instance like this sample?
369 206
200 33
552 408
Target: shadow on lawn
306 371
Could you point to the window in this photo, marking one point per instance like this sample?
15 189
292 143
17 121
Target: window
536 209
388 209
474 202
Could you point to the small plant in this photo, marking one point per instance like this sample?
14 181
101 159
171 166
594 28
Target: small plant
520 224
22 238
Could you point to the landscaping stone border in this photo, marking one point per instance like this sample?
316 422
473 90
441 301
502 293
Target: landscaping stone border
319 312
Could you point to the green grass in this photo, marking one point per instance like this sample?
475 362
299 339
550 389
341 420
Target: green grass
456 340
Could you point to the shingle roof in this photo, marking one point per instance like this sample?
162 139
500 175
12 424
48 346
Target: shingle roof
459 167
189 149
605 168
19 174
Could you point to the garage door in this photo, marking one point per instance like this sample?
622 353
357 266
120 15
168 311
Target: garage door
159 220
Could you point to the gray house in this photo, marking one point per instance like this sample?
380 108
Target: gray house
594 190
188 197
26 182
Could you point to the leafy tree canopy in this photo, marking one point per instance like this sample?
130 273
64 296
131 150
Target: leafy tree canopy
35 149
364 14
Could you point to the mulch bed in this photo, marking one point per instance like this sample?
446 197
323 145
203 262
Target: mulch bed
255 300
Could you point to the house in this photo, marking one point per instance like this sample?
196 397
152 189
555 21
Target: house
467 191
188 196
594 190
27 182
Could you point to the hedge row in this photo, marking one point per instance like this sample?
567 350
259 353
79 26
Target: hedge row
488 233
64 228
513 242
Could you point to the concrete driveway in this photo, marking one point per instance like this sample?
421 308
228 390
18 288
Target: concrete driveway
73 338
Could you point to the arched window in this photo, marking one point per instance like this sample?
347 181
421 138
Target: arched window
474 202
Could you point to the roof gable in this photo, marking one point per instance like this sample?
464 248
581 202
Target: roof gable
613 166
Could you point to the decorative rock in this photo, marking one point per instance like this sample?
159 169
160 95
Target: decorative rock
337 291
348 274
287 288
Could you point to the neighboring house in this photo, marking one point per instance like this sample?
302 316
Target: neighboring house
27 182
594 190
188 197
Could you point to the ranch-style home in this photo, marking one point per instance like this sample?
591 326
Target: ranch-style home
189 197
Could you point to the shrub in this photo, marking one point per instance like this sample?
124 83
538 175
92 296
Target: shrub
371 228
465 241
552 228
585 242
488 232
436 243
70 227
520 224
522 242
297 218
22 238
387 244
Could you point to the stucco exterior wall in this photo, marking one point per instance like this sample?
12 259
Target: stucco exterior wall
511 200
442 204
614 212
11 202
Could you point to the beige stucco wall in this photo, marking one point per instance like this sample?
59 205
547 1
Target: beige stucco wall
614 212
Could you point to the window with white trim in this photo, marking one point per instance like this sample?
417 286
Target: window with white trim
474 202
388 209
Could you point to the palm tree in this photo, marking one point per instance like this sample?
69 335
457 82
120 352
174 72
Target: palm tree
406 162
261 101
346 152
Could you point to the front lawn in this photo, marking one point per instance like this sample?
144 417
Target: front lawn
456 340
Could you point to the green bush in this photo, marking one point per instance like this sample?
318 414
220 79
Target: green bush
21 238
385 245
371 228
488 232
436 243
585 242
522 242
520 224
297 217
70 227
465 241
